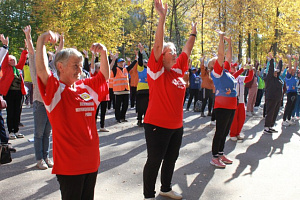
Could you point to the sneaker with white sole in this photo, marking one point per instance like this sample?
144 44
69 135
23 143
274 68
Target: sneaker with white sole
212 123
103 130
240 137
267 130
19 135
291 122
249 114
12 136
225 160
41 164
171 194
285 123
217 162
273 130
150 199
233 139
49 162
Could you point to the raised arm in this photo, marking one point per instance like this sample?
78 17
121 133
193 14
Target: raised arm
4 49
191 41
61 43
229 50
41 59
27 32
159 35
101 49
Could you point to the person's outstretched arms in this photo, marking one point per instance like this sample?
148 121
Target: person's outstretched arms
61 43
101 49
4 49
27 32
229 50
159 35
191 41
41 60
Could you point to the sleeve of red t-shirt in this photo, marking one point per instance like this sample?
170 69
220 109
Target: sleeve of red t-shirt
182 62
98 84
217 68
48 91
153 65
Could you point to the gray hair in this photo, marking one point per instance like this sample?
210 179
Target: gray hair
64 55
169 45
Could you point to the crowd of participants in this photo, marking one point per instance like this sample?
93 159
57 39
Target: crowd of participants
156 84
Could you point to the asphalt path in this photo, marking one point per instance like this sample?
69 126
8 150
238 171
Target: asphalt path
264 166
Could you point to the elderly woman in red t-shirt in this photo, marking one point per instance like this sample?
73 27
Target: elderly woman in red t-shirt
71 104
163 120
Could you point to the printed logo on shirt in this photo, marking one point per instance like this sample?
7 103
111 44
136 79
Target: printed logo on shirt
85 96
180 83
228 91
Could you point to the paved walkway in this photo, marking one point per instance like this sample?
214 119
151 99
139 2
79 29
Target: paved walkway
265 166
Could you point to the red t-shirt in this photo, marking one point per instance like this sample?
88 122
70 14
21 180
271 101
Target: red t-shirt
166 92
71 112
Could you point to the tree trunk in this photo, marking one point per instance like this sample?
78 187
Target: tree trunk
249 46
276 33
202 28
240 44
255 44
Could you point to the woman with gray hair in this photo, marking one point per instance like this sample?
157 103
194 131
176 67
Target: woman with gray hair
71 104
163 121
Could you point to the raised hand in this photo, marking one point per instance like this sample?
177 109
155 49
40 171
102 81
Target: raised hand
27 30
97 47
85 53
270 55
4 40
194 28
160 8
141 47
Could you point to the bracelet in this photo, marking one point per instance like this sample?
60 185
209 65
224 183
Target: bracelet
193 35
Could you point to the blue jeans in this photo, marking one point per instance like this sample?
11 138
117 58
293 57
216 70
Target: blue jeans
42 129
297 107
3 136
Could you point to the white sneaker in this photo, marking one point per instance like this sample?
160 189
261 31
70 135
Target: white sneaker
234 139
49 162
171 194
291 122
103 130
249 114
150 199
213 123
240 137
41 164
285 123
254 114
12 136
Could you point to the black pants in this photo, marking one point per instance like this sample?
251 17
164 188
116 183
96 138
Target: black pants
103 107
77 187
112 99
224 118
193 95
162 144
260 94
208 95
132 96
187 94
13 99
246 91
122 100
142 100
3 136
290 105
272 109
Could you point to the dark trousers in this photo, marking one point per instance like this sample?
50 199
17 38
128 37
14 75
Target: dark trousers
272 109
224 118
208 95
121 101
103 107
29 96
290 105
13 99
187 93
132 96
246 91
260 94
3 136
193 95
162 144
142 101
112 99
77 187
